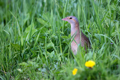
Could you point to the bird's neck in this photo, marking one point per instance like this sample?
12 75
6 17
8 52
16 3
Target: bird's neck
75 30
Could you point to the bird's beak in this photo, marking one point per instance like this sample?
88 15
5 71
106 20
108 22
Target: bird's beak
65 19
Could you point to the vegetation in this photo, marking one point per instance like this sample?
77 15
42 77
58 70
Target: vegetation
35 42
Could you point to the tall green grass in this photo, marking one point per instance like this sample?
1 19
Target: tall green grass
35 42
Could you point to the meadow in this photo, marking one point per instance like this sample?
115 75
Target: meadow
35 42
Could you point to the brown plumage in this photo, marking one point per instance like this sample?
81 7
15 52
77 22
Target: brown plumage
77 34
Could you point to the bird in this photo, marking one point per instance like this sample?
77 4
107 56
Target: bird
78 38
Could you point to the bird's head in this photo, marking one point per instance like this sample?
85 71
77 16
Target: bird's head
71 19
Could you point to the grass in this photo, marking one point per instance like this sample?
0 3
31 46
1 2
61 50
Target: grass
35 42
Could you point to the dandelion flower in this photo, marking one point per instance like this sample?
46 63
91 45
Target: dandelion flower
74 71
90 63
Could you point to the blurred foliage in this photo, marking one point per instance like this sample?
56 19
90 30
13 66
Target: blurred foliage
35 42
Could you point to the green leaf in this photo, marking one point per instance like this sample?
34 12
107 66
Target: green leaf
43 22
23 64
40 20
15 46
50 45
30 30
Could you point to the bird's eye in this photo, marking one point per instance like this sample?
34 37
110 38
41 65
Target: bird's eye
70 17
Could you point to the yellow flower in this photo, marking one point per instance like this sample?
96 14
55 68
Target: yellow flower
90 63
74 71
